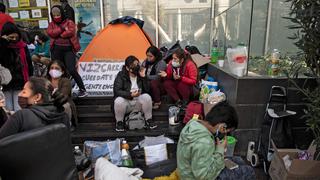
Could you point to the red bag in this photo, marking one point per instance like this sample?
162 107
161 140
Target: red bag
194 107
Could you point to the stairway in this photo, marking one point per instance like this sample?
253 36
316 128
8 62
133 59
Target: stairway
96 122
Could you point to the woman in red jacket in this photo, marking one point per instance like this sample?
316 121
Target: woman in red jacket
64 44
181 75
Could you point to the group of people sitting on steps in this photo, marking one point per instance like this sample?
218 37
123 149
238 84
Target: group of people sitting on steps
140 86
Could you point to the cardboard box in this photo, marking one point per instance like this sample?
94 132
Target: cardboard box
299 169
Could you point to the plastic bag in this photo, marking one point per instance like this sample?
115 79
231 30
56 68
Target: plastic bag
109 149
238 59
206 88
216 97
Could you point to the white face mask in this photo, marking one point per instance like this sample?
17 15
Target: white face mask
175 64
55 73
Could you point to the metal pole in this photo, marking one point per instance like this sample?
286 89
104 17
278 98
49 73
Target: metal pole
250 33
212 23
101 14
49 10
268 27
157 23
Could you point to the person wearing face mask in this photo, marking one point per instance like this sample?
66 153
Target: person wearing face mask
14 55
202 144
64 43
59 79
130 89
40 107
181 75
154 65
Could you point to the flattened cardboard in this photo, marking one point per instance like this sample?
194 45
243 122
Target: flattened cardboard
200 60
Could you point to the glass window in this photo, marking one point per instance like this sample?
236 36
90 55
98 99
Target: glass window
258 32
187 21
88 20
279 32
238 24
140 9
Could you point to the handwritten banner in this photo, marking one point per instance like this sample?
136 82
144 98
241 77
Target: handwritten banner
99 76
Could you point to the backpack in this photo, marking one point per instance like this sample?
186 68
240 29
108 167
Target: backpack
194 107
135 120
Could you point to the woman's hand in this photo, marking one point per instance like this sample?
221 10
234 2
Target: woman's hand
135 93
163 74
142 72
176 76
5 37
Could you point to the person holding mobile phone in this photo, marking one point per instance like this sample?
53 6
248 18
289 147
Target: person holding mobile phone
180 77
154 65
202 143
131 88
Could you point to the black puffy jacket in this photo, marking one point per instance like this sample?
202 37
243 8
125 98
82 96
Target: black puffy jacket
122 84
33 117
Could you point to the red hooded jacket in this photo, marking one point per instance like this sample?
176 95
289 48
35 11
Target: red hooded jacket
4 18
66 30
188 72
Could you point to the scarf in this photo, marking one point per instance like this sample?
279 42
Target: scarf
20 46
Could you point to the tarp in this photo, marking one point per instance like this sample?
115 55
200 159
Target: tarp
116 42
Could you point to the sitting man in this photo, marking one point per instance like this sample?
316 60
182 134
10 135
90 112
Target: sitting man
130 93
202 143
181 75
41 55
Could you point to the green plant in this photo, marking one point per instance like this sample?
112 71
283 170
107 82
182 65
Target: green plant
305 14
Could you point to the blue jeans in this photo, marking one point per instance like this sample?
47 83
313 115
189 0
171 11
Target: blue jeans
12 100
244 172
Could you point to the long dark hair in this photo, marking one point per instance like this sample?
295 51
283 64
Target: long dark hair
155 52
41 85
63 68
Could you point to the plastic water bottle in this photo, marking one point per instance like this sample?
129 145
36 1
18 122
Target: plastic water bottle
274 63
125 155
214 53
77 151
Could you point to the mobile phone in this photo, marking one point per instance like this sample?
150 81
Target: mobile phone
230 164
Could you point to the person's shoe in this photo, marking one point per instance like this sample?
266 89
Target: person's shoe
119 126
181 104
156 105
82 93
151 124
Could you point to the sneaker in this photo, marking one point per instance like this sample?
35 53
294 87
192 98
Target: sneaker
119 126
151 124
181 104
82 93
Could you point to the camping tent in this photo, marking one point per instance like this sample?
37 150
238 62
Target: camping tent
116 42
